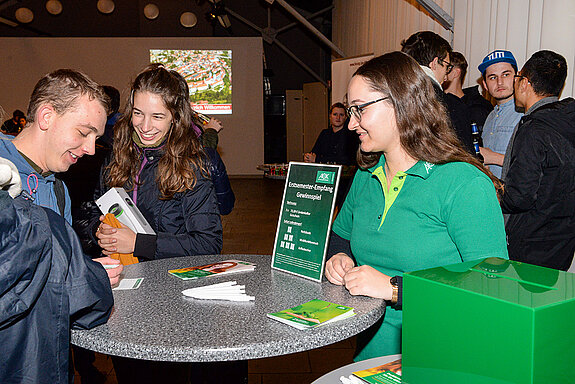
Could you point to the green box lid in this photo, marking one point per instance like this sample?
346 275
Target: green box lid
511 281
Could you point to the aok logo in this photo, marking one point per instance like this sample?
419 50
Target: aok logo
325 177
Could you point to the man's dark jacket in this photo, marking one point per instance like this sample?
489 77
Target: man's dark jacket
459 115
540 187
479 107
46 286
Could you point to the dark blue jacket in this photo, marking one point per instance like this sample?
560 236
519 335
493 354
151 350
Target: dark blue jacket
46 286
224 192
188 224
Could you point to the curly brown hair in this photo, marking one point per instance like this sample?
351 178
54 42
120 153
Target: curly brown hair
424 127
183 152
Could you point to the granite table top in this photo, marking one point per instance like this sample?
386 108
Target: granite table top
157 322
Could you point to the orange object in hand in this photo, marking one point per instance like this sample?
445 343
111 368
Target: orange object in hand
125 258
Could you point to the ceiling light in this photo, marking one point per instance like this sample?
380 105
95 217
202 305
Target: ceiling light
54 7
188 19
24 15
151 11
106 6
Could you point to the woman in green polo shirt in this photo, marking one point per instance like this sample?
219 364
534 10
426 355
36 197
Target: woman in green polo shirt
418 201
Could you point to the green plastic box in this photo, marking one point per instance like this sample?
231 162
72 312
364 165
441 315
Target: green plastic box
490 321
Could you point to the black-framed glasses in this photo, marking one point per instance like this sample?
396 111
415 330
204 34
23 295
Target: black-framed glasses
447 64
357 110
520 77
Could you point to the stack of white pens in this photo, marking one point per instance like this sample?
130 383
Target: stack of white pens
221 291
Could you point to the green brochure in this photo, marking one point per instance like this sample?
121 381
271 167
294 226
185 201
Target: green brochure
389 373
305 219
312 314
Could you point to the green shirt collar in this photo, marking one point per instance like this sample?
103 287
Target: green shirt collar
422 168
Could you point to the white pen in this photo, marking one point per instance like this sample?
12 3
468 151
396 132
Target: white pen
223 297
111 266
214 292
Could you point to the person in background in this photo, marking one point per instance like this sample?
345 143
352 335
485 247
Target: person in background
47 286
13 126
419 199
334 145
113 115
433 53
540 184
208 136
498 70
208 132
478 106
21 123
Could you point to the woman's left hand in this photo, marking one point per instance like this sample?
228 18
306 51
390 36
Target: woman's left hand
368 281
115 240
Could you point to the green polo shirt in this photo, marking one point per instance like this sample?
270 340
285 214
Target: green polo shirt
432 215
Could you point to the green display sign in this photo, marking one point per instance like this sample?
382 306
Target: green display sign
305 219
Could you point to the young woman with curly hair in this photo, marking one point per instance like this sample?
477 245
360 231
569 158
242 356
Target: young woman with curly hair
159 161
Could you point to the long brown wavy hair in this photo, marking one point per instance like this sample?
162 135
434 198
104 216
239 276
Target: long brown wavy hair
425 132
182 151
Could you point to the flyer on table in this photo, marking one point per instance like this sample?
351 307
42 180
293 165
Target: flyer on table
389 373
305 219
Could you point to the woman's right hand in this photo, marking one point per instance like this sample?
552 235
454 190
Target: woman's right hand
337 267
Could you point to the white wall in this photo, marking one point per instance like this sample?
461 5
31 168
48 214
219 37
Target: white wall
378 26
521 26
116 61
481 26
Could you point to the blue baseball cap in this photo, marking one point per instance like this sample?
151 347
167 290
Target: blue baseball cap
498 56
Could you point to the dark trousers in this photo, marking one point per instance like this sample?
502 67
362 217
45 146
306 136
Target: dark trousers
83 361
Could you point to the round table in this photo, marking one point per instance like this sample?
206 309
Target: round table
346 371
157 322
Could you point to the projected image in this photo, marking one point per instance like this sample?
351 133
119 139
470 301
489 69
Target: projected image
208 73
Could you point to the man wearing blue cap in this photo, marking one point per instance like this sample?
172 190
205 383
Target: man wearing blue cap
498 69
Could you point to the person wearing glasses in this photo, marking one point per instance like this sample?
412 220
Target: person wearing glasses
540 184
479 107
419 199
433 53
498 69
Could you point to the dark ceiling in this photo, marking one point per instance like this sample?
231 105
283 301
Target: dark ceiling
81 18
